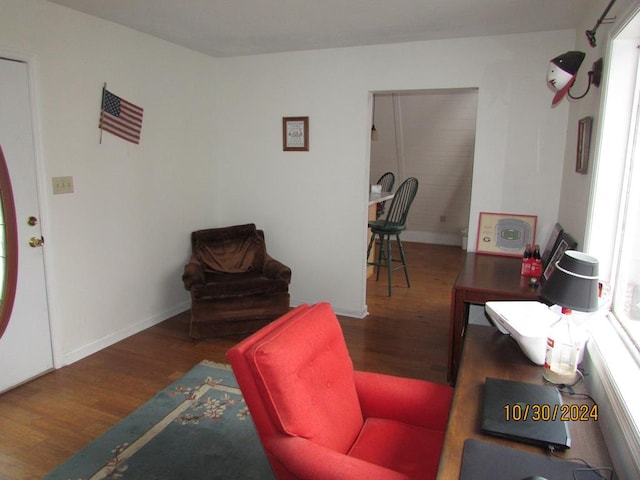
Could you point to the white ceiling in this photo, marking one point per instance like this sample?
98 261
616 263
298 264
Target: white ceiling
223 28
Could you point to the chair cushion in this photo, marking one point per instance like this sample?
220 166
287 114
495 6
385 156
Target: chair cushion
220 286
382 226
230 249
305 375
409 449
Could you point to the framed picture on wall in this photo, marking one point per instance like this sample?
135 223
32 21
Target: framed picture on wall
584 143
551 244
505 234
295 134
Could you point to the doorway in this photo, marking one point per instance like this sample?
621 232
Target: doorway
430 135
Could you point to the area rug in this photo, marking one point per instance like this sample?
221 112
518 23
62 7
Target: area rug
198 427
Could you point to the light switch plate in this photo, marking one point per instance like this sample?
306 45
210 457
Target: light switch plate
62 185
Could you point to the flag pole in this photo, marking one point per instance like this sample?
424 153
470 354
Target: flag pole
104 88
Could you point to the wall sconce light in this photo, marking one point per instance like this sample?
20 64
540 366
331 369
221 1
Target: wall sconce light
374 132
562 74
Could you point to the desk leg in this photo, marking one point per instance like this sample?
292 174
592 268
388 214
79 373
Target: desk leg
457 324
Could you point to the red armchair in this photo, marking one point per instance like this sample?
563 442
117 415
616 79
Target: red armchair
319 419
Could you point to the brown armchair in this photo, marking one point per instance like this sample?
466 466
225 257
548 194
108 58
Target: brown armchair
236 287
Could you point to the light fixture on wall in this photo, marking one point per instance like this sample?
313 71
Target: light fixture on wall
374 132
562 74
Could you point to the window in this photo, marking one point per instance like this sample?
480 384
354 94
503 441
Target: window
626 282
614 238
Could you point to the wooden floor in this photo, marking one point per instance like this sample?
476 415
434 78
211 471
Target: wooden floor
46 420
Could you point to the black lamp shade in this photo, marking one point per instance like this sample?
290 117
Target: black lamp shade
574 282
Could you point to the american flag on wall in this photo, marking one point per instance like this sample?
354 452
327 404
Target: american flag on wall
120 117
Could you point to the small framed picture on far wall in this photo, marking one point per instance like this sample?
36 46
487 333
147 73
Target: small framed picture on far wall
295 134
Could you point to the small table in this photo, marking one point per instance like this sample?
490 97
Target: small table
488 353
483 278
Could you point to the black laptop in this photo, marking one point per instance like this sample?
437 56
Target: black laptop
524 412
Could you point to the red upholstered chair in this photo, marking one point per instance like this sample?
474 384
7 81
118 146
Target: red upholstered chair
319 419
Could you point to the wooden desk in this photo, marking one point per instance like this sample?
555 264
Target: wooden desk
488 353
483 278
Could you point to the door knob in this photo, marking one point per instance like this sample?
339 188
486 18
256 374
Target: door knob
36 242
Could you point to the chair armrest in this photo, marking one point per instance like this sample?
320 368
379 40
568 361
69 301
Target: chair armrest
276 270
415 402
310 461
193 274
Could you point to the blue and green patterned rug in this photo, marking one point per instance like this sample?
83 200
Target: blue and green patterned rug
198 427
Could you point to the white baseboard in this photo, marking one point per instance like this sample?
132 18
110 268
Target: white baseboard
93 347
352 313
336 309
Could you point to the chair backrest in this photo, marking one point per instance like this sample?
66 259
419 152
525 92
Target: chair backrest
298 380
401 202
387 180
234 249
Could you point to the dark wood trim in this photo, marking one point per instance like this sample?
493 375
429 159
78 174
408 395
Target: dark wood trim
11 245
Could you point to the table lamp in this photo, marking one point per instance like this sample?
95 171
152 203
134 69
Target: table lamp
573 285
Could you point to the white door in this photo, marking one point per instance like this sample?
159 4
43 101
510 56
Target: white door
25 347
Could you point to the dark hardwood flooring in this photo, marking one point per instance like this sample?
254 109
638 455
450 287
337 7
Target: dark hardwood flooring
46 420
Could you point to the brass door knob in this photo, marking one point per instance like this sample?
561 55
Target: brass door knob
36 242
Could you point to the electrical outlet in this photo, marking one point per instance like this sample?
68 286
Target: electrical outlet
62 185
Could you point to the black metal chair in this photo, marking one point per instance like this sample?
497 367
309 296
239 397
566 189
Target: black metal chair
393 224
386 181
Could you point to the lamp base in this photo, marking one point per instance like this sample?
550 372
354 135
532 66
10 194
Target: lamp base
564 343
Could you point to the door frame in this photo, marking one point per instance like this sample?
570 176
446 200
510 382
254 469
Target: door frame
31 61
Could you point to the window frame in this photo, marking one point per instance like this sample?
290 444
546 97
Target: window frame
612 355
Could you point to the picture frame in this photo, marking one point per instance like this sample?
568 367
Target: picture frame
584 144
505 234
551 243
565 242
295 134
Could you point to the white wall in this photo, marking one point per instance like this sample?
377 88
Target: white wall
116 247
576 187
211 154
313 204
